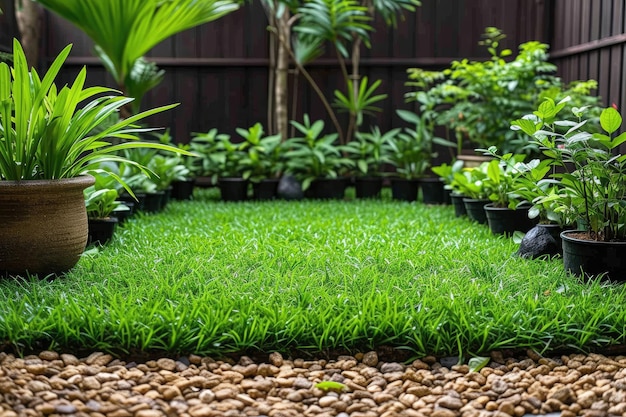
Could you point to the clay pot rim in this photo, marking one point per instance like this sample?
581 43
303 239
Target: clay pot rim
25 186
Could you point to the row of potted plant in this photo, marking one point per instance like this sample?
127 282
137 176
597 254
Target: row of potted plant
578 186
316 159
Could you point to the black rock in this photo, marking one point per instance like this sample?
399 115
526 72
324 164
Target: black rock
449 361
538 242
289 188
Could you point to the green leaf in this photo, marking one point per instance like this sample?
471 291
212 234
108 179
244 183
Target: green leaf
527 126
477 363
330 386
610 119
125 30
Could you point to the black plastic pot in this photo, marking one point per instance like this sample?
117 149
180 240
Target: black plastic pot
368 187
153 202
123 215
183 190
590 258
475 209
459 205
233 189
137 202
265 189
432 191
506 221
101 230
404 189
327 188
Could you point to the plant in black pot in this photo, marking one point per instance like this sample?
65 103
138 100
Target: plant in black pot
221 159
168 169
446 173
203 165
471 186
228 156
144 189
104 210
174 171
46 148
368 153
316 160
506 174
592 179
263 162
411 152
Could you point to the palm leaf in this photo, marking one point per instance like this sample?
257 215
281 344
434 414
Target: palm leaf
125 30
336 21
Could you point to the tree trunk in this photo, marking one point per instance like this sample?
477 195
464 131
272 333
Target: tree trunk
271 77
281 86
28 16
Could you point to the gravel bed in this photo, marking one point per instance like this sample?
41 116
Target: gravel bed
53 384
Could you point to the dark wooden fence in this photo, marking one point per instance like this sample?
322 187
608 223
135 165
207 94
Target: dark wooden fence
588 40
219 72
8 26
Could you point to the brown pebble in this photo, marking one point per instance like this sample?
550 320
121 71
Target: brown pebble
370 359
443 412
65 409
276 359
166 364
48 355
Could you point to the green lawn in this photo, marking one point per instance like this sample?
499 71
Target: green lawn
213 278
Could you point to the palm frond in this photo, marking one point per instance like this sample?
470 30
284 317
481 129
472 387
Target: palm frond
125 30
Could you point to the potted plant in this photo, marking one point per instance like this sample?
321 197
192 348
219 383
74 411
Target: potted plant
411 152
102 208
472 99
174 171
45 150
167 169
591 177
263 162
144 189
446 173
470 184
203 165
316 160
506 174
368 153
222 159
183 181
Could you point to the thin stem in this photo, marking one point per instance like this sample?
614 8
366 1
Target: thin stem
319 93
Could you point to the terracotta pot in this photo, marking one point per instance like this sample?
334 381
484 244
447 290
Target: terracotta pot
44 225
